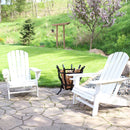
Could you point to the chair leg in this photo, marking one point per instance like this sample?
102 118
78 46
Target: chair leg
8 94
59 90
74 99
37 90
95 107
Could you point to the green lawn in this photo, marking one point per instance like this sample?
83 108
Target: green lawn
46 59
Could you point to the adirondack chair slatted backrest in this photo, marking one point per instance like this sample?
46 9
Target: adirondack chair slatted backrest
18 65
113 69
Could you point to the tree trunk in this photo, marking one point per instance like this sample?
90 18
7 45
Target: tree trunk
35 4
0 11
32 8
91 40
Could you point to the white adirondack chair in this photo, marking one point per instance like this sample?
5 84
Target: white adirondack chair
18 75
106 88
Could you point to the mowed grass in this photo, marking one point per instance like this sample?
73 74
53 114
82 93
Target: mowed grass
46 59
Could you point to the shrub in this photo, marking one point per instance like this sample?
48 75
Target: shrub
50 44
121 41
27 32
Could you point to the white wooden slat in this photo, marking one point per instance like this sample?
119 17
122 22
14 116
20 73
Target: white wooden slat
17 84
85 102
23 77
110 74
18 64
109 69
84 95
26 65
19 72
112 71
116 70
105 76
28 91
12 65
121 64
120 67
84 92
105 93
81 89
9 63
106 67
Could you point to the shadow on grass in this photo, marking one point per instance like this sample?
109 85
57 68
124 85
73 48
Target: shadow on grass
46 59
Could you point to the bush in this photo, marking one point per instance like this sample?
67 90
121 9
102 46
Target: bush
120 42
35 42
27 32
50 44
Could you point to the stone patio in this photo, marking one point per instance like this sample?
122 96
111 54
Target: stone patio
56 112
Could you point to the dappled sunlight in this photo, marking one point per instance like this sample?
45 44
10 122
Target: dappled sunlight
51 111
46 59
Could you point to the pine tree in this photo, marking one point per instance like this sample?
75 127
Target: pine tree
27 32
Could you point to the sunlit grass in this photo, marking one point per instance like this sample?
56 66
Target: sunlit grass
46 59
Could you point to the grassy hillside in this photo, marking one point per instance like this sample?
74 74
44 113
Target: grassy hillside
9 31
46 59
115 38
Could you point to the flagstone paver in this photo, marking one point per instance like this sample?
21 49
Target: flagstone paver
56 112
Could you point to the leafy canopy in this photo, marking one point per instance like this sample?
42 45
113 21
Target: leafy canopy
96 13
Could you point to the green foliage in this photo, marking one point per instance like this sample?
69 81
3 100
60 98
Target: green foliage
117 37
121 42
41 5
27 32
20 5
46 59
1 41
7 11
95 13
76 37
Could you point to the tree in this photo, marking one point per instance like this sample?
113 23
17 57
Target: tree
34 8
0 11
8 9
27 32
20 5
96 13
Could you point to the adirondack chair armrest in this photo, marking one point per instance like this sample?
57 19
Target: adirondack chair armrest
78 75
102 82
35 69
5 73
37 72
83 75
